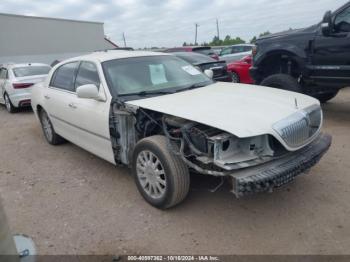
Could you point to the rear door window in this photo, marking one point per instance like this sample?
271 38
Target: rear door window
64 76
87 74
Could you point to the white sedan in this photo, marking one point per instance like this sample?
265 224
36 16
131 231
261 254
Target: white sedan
163 118
16 81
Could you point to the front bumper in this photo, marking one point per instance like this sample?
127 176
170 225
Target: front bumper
224 78
255 74
276 173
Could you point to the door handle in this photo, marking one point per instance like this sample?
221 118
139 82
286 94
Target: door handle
46 97
72 105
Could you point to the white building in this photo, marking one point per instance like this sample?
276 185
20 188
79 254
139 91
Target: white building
41 39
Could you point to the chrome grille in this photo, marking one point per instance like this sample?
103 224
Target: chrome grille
300 128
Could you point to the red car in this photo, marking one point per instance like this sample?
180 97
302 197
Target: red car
205 50
240 70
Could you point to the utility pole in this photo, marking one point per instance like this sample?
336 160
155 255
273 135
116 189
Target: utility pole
195 39
124 39
217 28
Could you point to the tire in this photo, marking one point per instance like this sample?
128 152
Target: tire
282 81
49 132
8 104
235 77
324 97
162 185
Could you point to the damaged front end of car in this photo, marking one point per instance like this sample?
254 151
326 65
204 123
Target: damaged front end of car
251 164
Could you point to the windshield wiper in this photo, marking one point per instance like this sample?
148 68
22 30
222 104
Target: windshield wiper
146 93
194 86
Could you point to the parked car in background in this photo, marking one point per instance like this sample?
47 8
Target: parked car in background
240 70
204 62
314 60
164 118
235 52
16 81
216 50
205 50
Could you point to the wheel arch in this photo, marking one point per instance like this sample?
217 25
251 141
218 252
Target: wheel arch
282 61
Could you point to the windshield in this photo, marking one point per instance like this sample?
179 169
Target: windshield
30 70
151 74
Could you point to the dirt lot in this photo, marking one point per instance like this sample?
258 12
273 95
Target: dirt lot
72 202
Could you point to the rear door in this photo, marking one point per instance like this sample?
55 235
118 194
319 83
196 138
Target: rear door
331 54
57 97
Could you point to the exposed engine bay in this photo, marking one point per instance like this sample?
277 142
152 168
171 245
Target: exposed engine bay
204 149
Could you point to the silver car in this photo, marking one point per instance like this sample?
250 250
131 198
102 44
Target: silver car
16 81
235 52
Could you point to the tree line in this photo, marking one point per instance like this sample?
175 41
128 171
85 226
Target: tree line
228 40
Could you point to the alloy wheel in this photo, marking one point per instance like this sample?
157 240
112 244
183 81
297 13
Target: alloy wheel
151 174
47 126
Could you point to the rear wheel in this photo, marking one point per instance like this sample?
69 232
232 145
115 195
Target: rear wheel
161 177
324 97
282 81
9 106
49 132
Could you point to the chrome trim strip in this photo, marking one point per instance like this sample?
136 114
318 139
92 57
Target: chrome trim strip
82 129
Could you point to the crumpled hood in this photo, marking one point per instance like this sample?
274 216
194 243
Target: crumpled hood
239 109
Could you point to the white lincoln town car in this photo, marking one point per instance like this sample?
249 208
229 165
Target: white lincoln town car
164 118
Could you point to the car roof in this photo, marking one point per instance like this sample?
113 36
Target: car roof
243 45
194 57
107 55
10 66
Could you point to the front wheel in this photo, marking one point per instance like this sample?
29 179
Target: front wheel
9 106
49 132
161 177
235 77
282 81
324 97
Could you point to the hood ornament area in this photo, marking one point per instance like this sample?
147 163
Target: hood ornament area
296 103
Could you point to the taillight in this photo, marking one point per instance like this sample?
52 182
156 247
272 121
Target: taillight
21 85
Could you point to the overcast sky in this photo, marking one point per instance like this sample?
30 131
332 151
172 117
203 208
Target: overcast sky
169 23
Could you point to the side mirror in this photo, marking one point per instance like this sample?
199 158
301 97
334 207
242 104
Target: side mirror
327 24
209 73
89 91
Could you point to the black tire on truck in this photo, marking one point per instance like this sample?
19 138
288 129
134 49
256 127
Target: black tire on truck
161 177
282 81
324 97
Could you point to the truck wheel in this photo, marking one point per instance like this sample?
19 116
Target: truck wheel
49 132
9 106
161 177
282 81
323 98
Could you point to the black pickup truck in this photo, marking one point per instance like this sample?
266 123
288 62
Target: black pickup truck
313 60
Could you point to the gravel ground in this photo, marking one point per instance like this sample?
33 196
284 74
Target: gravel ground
72 202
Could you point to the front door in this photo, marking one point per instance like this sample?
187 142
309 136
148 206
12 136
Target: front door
331 55
90 117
